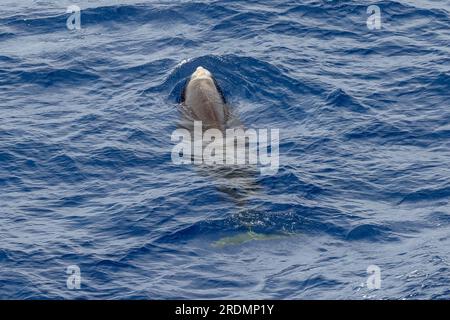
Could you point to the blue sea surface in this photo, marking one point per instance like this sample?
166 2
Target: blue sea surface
86 176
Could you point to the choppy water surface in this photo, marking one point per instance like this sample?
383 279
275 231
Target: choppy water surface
87 179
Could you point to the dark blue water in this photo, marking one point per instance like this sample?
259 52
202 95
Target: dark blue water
86 176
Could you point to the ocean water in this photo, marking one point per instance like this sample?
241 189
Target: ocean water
86 176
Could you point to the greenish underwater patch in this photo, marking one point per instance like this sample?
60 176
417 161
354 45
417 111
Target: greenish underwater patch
246 237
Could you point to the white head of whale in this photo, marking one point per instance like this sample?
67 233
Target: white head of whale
201 73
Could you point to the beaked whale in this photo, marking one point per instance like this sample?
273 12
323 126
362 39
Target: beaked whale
203 100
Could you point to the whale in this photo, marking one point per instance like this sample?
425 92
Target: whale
202 100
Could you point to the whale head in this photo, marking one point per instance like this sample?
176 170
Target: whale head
203 100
